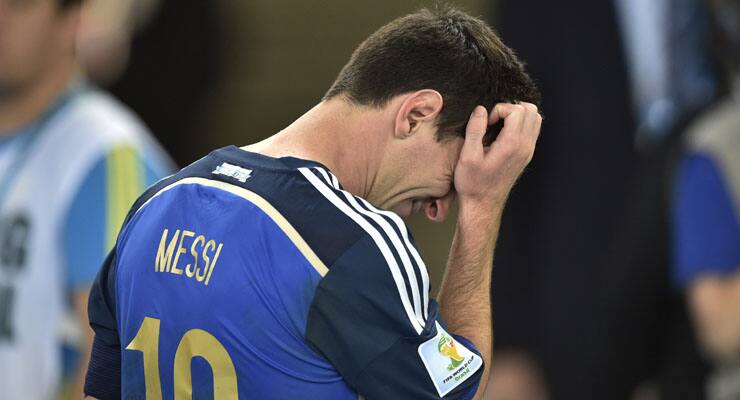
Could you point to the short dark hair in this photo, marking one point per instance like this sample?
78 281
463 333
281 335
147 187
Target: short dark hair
443 49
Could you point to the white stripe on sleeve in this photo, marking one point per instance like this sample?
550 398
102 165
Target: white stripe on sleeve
411 248
377 238
404 234
396 241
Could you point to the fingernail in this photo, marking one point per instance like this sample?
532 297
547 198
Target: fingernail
479 111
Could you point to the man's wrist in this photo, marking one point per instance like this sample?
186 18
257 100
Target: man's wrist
482 210
478 220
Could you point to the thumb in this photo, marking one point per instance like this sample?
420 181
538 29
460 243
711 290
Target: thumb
476 129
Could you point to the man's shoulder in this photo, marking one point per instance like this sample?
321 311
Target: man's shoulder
83 128
92 105
90 115
356 231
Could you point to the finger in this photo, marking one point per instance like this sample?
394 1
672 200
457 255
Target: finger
500 111
531 120
495 116
513 116
476 129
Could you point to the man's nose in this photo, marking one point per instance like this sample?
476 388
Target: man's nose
437 209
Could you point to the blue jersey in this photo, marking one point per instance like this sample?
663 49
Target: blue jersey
245 276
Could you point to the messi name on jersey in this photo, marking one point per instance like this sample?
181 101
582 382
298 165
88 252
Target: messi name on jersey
204 253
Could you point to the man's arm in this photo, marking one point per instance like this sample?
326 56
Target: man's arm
103 379
714 301
483 179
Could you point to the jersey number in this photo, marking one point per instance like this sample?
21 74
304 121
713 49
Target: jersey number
6 306
14 234
195 342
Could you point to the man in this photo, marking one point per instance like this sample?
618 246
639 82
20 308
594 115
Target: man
706 220
72 160
707 240
282 270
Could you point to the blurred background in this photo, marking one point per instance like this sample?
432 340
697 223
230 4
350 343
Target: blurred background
615 273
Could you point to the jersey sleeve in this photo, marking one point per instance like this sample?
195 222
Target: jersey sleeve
706 227
103 380
372 321
99 207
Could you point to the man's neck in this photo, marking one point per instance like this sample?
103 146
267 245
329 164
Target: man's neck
31 102
345 138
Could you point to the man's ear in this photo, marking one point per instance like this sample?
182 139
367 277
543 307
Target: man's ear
420 107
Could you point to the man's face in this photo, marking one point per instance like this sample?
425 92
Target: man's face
34 35
423 181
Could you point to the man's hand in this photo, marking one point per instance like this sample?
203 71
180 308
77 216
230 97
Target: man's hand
484 176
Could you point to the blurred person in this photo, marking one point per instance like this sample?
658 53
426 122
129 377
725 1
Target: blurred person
706 220
283 269
72 160
582 264
645 328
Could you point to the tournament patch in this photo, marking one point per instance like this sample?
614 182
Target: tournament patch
448 362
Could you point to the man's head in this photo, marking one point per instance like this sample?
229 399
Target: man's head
442 49
429 70
36 37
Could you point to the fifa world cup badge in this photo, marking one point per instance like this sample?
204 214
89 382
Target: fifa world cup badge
448 361
446 346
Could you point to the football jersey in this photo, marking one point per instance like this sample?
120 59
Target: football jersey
251 277
42 168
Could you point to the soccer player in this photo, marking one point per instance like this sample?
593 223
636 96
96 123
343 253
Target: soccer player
72 161
282 270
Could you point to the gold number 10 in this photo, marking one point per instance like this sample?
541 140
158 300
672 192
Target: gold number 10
195 342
